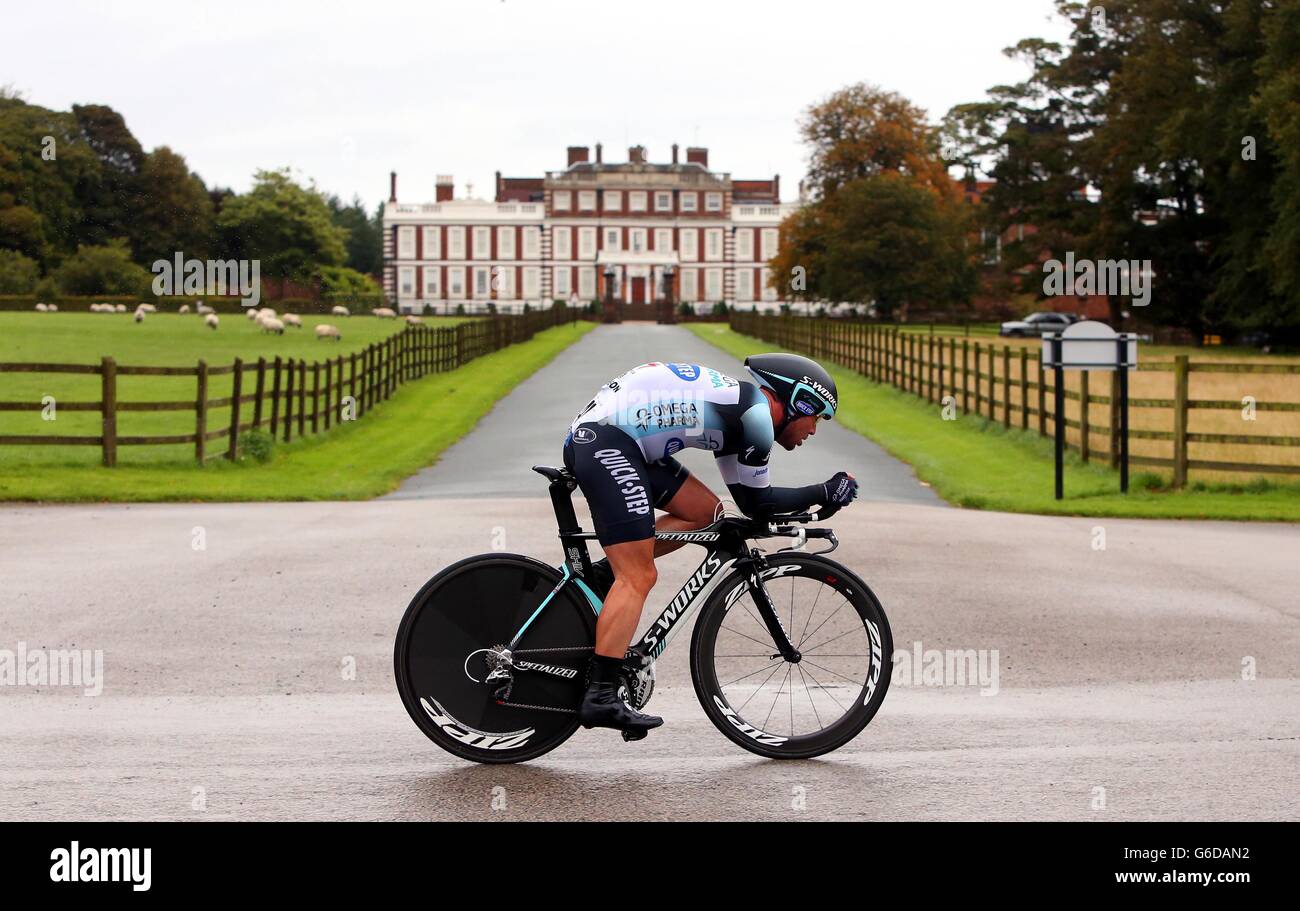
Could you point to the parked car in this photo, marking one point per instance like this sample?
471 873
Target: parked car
1037 324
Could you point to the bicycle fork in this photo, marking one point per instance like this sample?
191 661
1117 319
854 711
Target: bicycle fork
754 566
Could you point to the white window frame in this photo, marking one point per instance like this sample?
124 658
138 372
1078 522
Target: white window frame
586 243
663 201
663 240
690 279
557 273
637 240
613 200
532 242
713 202
688 242
406 283
432 282
713 245
616 245
503 282
587 283
456 282
688 201
506 242
532 282
482 242
586 200
744 246
482 283
712 285
636 201
770 241
744 284
456 242
406 242
768 293
432 242
561 243
562 201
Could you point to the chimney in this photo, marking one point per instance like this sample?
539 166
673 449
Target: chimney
698 156
776 188
577 154
392 186
636 154
674 153
445 189
498 187
598 148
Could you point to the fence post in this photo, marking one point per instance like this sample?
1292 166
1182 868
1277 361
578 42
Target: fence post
929 366
1006 385
1024 388
288 397
1042 396
352 384
1114 419
108 410
315 397
302 397
236 389
329 379
993 380
1083 415
965 387
261 387
275 398
201 411
1180 421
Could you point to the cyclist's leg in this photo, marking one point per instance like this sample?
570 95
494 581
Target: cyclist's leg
692 506
634 575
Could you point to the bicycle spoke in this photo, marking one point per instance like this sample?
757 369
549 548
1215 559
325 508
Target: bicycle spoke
827 641
826 691
776 698
823 623
738 679
750 638
775 668
816 714
857 683
810 613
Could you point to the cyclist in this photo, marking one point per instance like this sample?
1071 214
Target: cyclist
620 448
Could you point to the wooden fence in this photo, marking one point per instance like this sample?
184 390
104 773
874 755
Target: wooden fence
973 373
284 396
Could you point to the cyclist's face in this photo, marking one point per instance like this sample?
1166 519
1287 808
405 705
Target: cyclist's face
797 431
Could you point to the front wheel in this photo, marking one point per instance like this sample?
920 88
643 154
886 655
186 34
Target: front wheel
793 709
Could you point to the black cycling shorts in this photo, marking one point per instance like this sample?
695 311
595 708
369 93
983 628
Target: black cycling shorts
621 487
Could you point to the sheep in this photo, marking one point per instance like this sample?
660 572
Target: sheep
204 310
147 308
41 308
339 311
272 325
385 313
414 321
253 313
185 308
325 330
54 308
139 316
120 308
211 320
266 313
293 319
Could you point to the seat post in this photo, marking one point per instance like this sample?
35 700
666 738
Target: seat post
562 501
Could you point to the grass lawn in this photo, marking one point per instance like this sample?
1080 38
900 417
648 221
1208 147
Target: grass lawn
975 463
353 461
162 340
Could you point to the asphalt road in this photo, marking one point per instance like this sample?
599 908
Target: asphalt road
227 690
527 428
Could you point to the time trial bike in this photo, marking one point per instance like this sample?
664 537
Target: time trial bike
789 657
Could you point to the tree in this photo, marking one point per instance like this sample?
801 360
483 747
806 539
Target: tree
365 234
285 226
113 195
105 269
1279 75
175 215
18 274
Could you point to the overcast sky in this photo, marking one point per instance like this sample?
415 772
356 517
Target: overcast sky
346 92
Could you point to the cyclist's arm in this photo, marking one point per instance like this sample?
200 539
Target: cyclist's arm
746 473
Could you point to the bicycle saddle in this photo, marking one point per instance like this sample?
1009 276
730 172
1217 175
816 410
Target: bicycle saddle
553 474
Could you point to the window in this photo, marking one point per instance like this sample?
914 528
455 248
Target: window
561 244
505 243
744 245
532 282
689 241
636 240
690 284
713 202
586 243
587 283
713 284
663 239
562 201
614 239
587 200
689 202
481 287
769 294
744 284
406 282
482 243
456 243
663 202
406 242
560 281
770 238
503 282
432 279
532 242
432 243
456 282
613 200
636 201
713 245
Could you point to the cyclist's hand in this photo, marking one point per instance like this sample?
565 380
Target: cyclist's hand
840 490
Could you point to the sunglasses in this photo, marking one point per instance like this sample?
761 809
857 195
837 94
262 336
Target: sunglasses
807 402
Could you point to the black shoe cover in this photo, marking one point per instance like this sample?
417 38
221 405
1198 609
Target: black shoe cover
601 708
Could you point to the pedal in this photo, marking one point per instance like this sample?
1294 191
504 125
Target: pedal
634 735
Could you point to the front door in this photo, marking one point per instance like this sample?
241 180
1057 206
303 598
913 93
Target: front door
638 290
